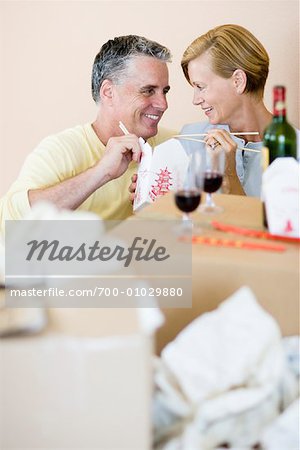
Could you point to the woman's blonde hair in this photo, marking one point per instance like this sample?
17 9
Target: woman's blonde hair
231 47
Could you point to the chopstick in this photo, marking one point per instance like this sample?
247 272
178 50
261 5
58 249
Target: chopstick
252 233
190 139
236 133
123 128
184 136
179 136
215 242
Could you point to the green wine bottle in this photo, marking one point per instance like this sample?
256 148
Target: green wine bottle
279 137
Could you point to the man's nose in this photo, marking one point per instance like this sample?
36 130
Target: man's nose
160 102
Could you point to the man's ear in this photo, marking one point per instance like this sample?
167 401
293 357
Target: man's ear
106 91
240 81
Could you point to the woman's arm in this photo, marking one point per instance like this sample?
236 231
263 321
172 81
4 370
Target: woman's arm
231 183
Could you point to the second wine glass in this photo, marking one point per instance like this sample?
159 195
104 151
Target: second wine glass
213 177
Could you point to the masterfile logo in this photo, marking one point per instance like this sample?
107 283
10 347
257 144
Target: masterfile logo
145 250
61 263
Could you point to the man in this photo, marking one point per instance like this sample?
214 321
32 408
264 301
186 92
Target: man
89 167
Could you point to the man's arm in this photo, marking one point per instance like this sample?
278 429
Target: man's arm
72 192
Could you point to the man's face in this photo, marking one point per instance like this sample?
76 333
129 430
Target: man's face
140 98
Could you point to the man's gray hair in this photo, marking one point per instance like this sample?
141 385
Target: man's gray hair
112 60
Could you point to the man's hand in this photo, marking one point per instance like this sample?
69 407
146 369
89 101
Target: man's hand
119 152
72 192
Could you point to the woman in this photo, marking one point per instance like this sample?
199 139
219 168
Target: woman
228 68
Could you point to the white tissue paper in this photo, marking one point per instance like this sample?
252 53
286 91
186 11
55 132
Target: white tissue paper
229 342
280 192
283 433
39 213
159 171
223 379
21 321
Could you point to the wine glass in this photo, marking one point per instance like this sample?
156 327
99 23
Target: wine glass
188 192
213 177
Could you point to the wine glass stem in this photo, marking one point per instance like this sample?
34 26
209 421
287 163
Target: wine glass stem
185 217
209 200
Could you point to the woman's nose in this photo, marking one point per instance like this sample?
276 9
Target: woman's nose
197 98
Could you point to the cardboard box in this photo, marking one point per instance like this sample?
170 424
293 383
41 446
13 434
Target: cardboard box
83 383
219 271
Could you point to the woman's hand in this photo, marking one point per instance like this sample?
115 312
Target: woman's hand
132 187
231 183
222 137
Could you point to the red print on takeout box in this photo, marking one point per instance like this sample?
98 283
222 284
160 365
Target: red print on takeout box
280 192
160 171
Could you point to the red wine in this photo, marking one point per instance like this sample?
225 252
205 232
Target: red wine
187 200
212 181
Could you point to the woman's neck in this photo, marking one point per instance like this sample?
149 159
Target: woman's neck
252 116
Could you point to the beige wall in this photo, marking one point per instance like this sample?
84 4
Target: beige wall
47 49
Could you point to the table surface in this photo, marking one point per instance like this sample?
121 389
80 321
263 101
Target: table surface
219 271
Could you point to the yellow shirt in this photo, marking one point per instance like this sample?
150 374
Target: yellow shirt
64 155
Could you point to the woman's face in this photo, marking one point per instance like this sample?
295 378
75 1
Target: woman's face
216 95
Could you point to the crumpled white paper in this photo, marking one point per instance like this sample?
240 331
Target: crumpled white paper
283 433
19 321
40 213
230 341
223 379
